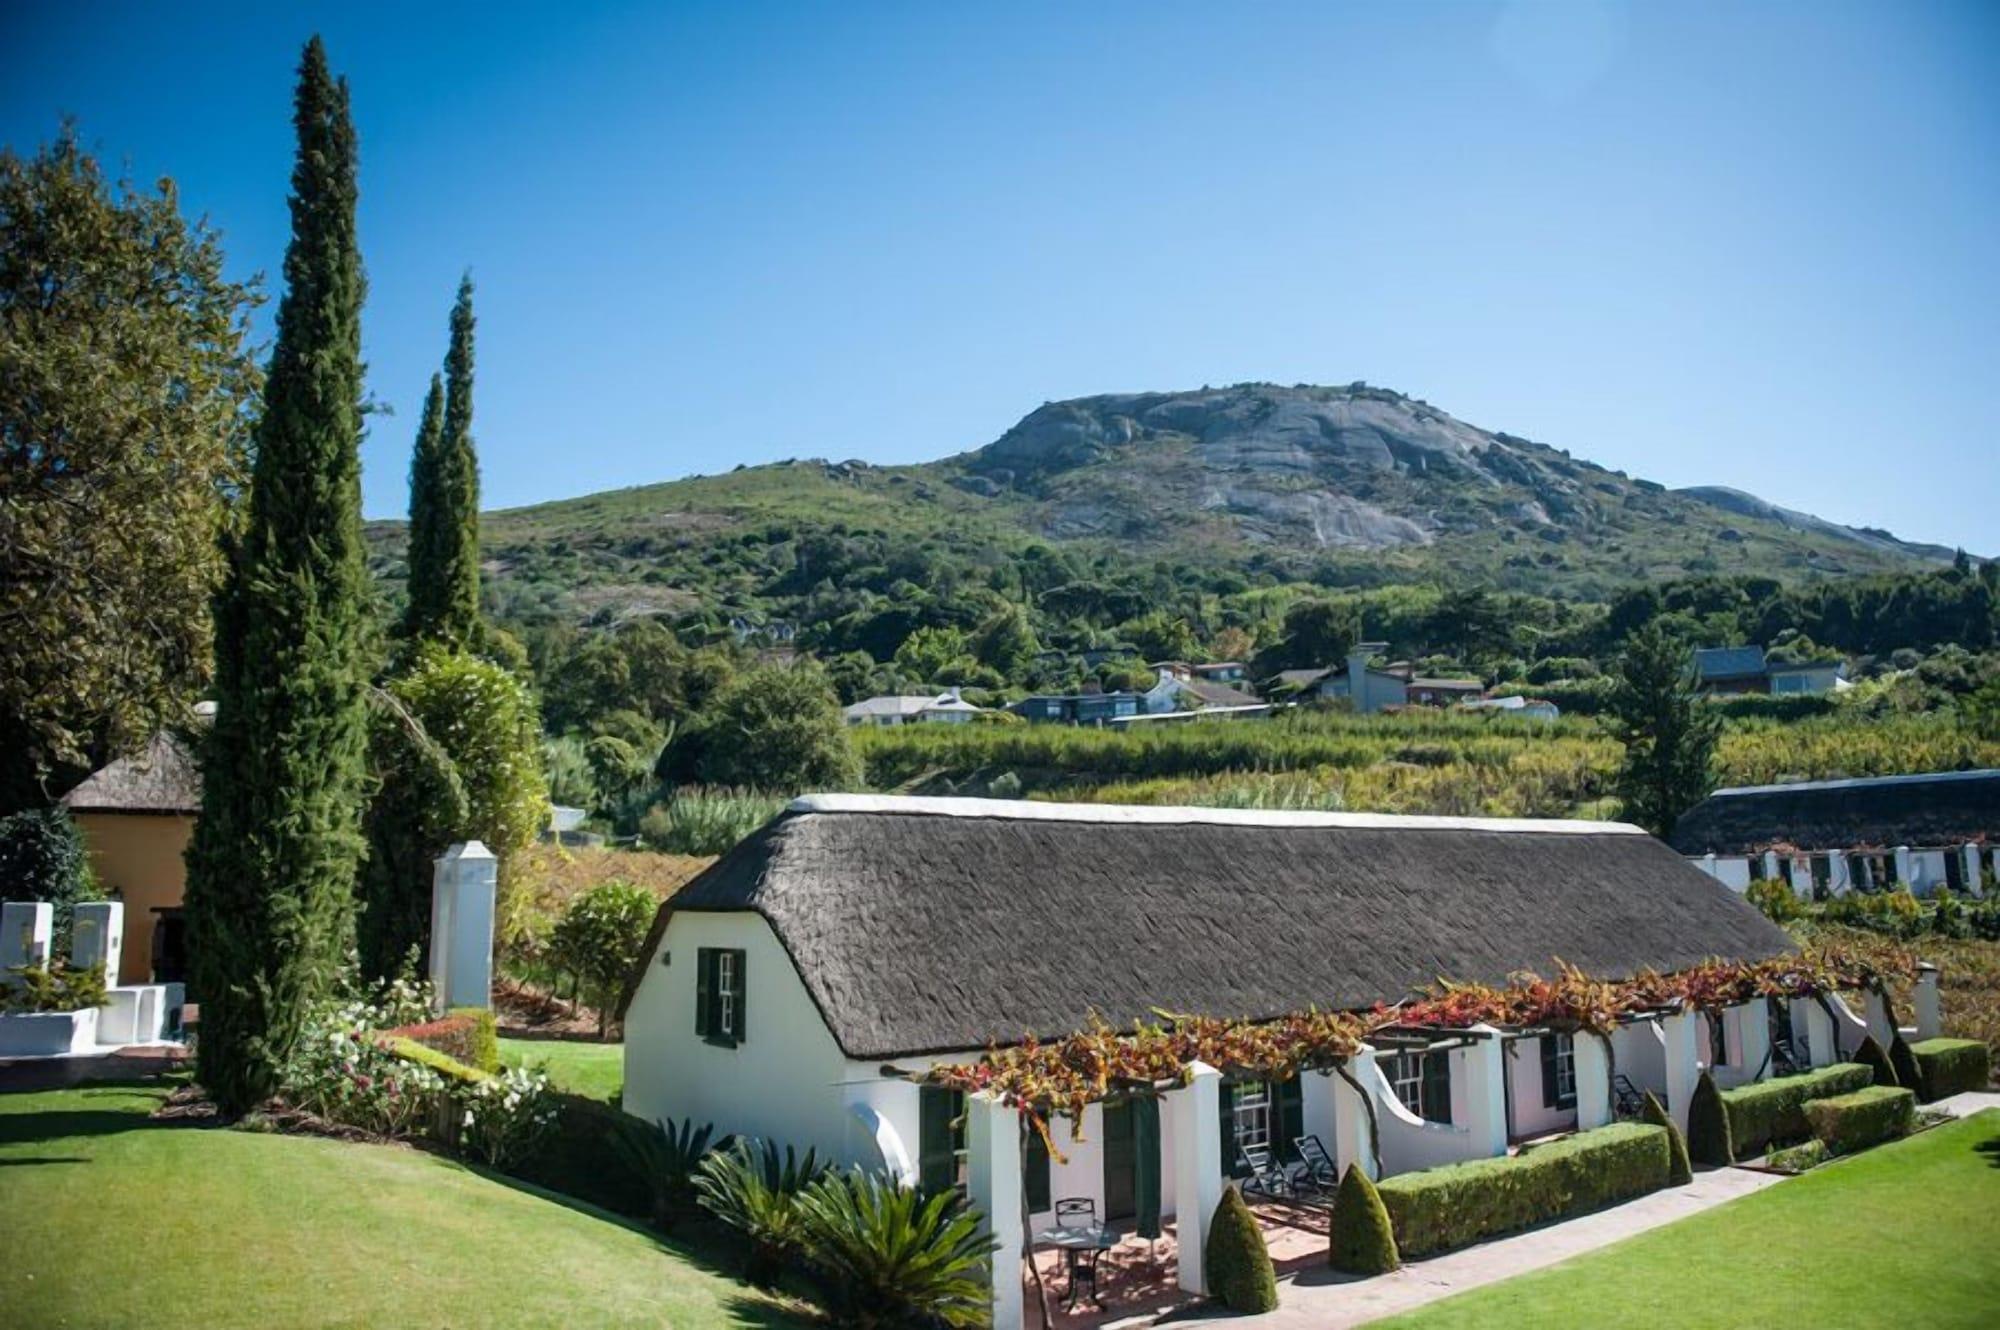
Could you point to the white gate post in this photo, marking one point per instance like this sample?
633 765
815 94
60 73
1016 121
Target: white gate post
97 937
1968 858
993 1185
1485 1066
25 927
1352 1144
1905 869
1196 1111
1875 1011
1591 1061
1930 1011
462 901
1811 1024
1753 1040
1683 1061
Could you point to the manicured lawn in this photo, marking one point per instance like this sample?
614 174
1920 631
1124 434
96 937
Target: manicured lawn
1904 1234
111 1220
595 1071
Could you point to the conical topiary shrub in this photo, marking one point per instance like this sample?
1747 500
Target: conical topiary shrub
1708 1125
1871 1056
1240 1275
1679 1171
1362 1241
1904 1062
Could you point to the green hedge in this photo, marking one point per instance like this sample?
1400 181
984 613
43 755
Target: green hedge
580 1157
1850 1122
1238 1264
1440 1208
1773 1112
444 1064
465 1034
1946 1067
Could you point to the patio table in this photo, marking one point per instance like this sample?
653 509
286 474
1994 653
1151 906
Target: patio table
1073 1243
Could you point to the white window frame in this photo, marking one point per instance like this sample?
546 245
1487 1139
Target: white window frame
1565 1065
1251 1115
725 993
1406 1078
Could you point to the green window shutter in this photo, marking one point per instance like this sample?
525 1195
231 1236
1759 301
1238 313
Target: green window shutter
1146 1165
704 992
937 1167
1549 1096
1225 1113
1291 1117
1437 1086
740 990
1037 1167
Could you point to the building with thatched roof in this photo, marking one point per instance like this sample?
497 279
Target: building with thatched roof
137 815
1825 836
858 931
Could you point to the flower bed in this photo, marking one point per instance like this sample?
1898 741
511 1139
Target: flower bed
1946 1067
1441 1208
1773 1112
464 1034
1851 1122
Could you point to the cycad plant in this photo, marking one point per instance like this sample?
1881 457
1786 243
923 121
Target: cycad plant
665 1157
889 1258
755 1191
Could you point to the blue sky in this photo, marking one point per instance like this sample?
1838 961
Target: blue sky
1744 244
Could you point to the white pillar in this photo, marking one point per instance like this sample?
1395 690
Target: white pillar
1968 855
1484 1064
1875 1009
1707 865
462 896
993 1185
1196 1116
97 937
1593 1080
1351 1142
1683 1062
1753 1041
1905 869
1814 1027
1770 865
1930 1011
25 927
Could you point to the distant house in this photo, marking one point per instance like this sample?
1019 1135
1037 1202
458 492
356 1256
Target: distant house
1528 708
1078 708
935 708
1831 836
1222 671
1443 692
1376 690
1181 687
1735 670
136 816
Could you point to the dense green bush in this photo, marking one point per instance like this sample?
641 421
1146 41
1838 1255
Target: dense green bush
1775 898
1440 1208
1797 1158
1773 1112
597 940
579 1156
1361 1240
751 1189
39 989
42 858
1901 1059
1240 1274
885 1257
464 1034
1709 1141
1871 1056
1850 1122
704 820
1680 1170
1946 1067
665 1155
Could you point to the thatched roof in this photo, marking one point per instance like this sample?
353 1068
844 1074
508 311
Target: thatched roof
934 925
1937 809
161 778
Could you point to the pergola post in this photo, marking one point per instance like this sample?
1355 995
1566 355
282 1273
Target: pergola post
1352 1143
1968 856
1592 1062
1930 1010
1905 869
1753 1040
1683 1061
97 937
1812 1027
1196 1114
1485 1066
993 1185
25 927
1875 1011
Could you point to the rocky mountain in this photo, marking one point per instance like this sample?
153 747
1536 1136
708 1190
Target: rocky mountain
1353 485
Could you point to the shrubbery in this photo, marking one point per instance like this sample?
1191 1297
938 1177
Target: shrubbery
1361 1241
1946 1067
597 941
465 1034
1680 1169
1871 1056
1797 1158
1708 1135
38 989
1850 1122
1773 1112
1238 1264
1440 1208
42 858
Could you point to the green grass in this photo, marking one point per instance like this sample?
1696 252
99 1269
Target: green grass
1900 1235
110 1219
595 1071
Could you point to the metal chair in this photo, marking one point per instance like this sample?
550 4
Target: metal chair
1270 1179
1078 1212
1319 1162
1631 1100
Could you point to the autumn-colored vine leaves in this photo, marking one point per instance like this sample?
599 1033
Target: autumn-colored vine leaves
1063 1077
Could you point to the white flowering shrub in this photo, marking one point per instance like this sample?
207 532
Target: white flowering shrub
503 1117
340 1073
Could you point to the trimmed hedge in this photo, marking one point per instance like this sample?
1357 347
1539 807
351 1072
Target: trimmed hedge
1946 1067
465 1034
1238 1264
1360 1240
1773 1112
1446 1207
1871 1056
444 1064
1850 1122
1904 1061
1680 1170
1709 1141
580 1157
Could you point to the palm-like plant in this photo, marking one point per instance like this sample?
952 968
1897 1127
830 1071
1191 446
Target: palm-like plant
665 1157
755 1191
888 1258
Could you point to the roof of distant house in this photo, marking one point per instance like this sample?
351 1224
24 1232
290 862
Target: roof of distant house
1714 663
936 925
906 705
160 778
1922 811
1213 694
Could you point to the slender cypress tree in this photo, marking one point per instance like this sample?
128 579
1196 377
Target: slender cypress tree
271 869
444 501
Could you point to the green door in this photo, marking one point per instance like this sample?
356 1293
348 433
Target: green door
1121 1195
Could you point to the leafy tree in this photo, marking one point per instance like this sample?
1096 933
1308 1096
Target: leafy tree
271 870
597 941
1668 731
566 764
125 391
770 728
1162 635
43 858
444 500
1232 643
928 654
419 807
1316 633
1006 641
1980 711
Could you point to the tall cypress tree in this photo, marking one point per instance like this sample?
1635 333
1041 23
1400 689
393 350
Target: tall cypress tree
444 501
272 866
